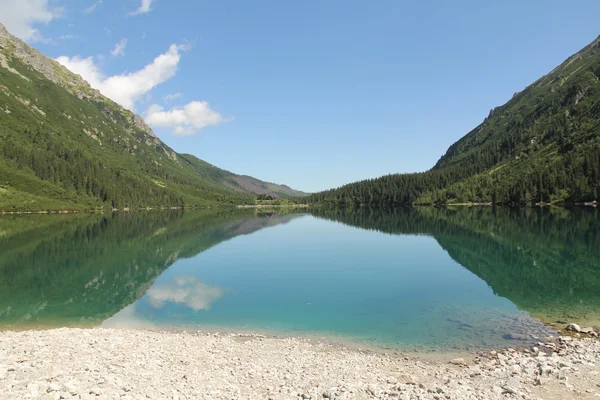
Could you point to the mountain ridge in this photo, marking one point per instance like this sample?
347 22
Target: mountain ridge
542 146
66 146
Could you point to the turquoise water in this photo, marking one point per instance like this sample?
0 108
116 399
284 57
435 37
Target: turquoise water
386 278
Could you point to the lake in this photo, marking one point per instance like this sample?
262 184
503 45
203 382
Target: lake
421 278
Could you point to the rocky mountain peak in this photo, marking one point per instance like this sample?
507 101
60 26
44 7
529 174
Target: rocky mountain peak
11 46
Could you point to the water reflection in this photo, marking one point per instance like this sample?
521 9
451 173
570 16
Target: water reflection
546 261
78 270
465 277
185 290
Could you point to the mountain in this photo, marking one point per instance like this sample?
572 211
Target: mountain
239 183
541 146
63 145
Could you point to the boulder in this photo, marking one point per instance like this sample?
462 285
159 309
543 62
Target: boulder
574 328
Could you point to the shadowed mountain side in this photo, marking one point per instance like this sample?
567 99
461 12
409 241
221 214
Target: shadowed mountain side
547 262
80 270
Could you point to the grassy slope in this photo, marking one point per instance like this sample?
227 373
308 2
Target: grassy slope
106 141
556 117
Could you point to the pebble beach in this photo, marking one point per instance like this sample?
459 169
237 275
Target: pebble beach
138 364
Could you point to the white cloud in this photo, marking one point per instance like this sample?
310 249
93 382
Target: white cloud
128 88
145 7
85 67
93 7
185 290
127 318
171 97
20 17
66 37
184 121
119 49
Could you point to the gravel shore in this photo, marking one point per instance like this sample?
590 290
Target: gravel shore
136 364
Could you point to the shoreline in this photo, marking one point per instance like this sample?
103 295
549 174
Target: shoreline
256 206
127 209
274 206
102 363
332 340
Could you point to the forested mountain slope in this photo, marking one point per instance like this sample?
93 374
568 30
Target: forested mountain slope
63 145
541 146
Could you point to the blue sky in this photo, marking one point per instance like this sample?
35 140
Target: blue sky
310 93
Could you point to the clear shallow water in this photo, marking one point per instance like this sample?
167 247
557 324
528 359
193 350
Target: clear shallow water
431 279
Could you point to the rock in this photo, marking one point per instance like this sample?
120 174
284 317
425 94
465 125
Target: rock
574 328
95 391
54 387
512 387
589 331
514 336
539 381
71 388
34 389
459 361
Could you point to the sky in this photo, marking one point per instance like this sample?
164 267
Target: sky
313 94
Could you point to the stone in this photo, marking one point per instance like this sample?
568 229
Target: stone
96 391
512 387
458 361
574 328
54 387
589 331
34 389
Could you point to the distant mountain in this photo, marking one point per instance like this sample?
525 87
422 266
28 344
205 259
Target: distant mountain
63 145
541 146
239 183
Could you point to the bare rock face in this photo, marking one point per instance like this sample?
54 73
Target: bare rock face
52 70
141 125
12 47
